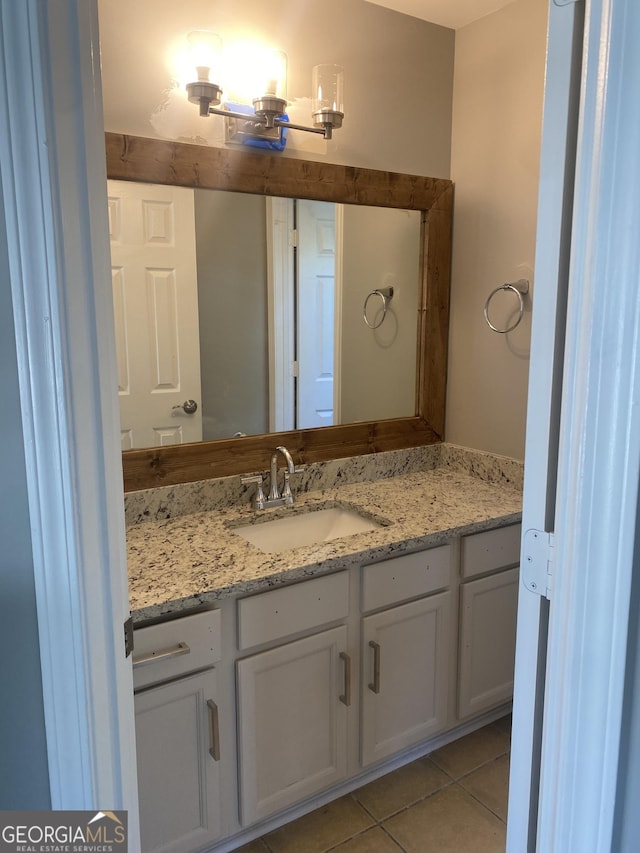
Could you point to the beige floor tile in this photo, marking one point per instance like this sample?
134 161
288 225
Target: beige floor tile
450 821
257 846
470 752
401 788
503 724
321 829
490 785
373 840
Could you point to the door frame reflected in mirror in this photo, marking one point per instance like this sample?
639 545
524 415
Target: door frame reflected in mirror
132 158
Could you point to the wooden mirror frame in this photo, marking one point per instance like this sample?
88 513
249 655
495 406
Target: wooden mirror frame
133 158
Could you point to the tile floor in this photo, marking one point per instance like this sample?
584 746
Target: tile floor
452 801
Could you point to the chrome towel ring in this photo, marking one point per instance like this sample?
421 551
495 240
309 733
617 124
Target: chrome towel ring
386 294
520 288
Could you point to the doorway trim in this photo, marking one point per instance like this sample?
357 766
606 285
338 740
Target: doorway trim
591 504
553 241
54 194
280 312
599 450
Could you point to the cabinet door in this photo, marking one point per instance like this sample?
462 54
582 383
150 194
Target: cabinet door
178 777
487 642
406 659
292 722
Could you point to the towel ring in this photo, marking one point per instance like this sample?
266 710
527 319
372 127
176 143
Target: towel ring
386 294
520 288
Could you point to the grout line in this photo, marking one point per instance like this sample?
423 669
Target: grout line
395 840
380 821
406 806
473 769
416 802
351 838
442 770
363 807
483 765
484 805
377 824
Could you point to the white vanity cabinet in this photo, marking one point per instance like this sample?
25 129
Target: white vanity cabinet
292 699
488 607
177 733
406 652
326 682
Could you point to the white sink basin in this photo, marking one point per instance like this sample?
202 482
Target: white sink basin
306 528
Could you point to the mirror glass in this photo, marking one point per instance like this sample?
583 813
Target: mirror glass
251 308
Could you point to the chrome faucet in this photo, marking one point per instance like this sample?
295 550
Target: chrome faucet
274 494
275 497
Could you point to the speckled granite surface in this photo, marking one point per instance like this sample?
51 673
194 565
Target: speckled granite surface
187 498
486 466
194 558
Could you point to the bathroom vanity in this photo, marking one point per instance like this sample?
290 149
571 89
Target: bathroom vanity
269 683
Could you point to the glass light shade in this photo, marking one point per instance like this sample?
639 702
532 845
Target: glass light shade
273 74
328 89
205 49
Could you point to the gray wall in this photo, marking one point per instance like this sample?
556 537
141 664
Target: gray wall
381 248
494 162
484 132
24 775
393 63
231 255
393 60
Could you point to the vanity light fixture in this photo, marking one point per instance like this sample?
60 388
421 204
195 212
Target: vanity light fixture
268 118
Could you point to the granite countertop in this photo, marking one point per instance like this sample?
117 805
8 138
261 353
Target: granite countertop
176 564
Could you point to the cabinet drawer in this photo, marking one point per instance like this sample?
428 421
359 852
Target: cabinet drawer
301 606
170 649
405 577
491 550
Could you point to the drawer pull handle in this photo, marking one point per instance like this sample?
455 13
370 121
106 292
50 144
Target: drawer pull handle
375 684
346 696
214 730
164 654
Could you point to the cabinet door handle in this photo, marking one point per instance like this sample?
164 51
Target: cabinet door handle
375 684
151 657
346 696
214 730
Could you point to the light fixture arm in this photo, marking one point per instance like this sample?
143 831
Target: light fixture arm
325 131
260 121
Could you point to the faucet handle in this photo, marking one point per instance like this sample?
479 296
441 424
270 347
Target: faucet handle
254 478
258 500
286 489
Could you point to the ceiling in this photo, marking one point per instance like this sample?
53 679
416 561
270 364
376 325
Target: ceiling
447 13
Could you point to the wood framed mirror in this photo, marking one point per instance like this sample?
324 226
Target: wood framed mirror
154 161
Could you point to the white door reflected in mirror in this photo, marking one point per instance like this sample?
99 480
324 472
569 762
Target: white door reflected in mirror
272 337
154 280
318 330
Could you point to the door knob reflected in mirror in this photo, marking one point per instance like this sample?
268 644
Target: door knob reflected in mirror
189 407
